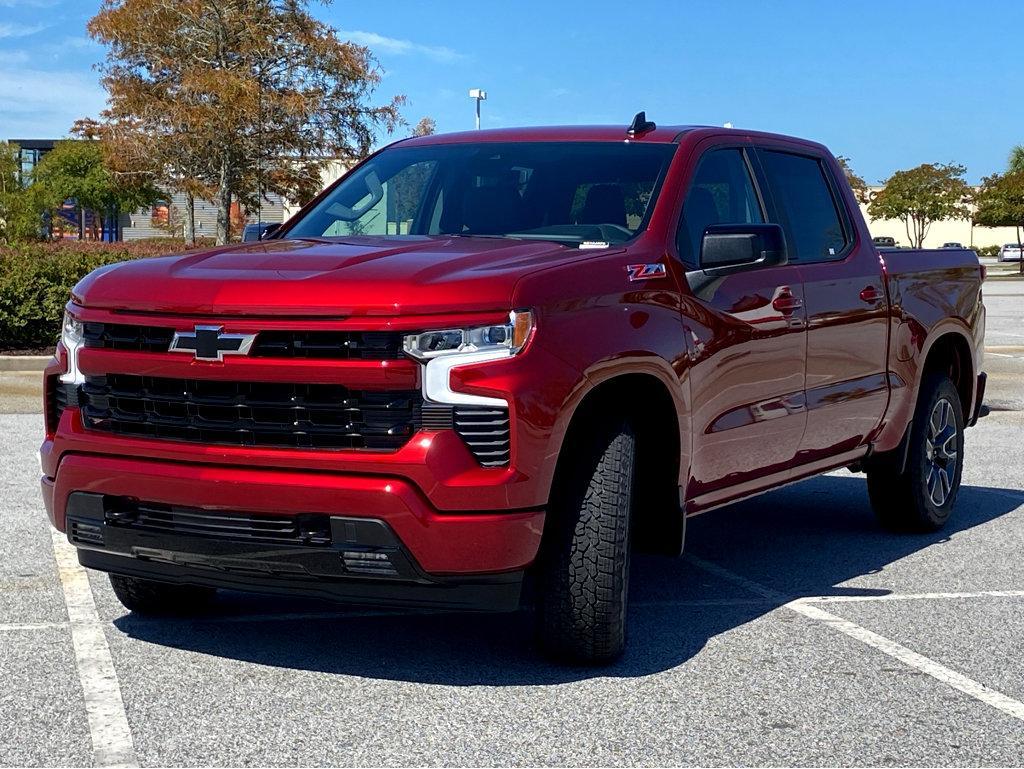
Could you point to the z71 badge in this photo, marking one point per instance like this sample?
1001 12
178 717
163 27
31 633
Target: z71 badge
645 271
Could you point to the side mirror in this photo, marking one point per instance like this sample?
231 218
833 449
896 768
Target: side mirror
729 248
269 230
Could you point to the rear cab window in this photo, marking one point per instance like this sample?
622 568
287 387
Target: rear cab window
807 206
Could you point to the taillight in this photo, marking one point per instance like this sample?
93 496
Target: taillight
984 271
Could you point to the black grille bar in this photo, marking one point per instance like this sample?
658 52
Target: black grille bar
306 529
312 345
250 413
338 345
59 396
118 336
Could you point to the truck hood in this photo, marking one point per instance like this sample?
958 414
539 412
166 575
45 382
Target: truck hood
320 277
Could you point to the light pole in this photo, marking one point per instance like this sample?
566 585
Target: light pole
480 95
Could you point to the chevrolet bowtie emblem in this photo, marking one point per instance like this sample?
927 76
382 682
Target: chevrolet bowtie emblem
208 343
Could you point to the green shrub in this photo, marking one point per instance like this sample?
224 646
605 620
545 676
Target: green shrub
986 250
36 281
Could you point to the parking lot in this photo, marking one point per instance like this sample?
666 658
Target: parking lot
795 631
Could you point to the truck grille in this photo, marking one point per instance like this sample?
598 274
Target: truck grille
58 397
485 430
313 345
250 413
309 529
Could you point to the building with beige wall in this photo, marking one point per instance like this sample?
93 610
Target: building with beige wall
331 173
945 231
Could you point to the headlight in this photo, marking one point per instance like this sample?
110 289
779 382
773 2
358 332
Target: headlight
508 337
71 331
71 337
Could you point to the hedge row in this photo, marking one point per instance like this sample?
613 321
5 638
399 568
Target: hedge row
36 281
986 250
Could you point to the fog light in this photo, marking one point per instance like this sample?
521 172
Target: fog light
373 563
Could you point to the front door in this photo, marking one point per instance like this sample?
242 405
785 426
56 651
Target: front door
747 336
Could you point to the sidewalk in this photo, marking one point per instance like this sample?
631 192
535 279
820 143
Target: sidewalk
21 392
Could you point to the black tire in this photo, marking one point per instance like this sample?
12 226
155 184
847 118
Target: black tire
147 596
922 496
584 576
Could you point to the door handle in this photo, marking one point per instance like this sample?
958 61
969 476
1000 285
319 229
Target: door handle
870 294
786 302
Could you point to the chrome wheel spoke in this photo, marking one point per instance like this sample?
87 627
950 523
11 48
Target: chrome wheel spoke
945 484
933 483
941 452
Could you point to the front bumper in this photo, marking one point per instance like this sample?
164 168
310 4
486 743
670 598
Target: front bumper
440 543
359 560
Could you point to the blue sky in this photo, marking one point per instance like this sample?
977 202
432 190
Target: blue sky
890 84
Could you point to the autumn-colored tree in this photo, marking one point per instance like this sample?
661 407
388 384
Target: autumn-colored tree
922 195
999 202
135 150
857 183
236 98
77 170
426 127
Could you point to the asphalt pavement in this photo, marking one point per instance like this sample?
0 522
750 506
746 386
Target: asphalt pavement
795 631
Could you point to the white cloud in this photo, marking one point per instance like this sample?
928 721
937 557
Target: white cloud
380 43
20 30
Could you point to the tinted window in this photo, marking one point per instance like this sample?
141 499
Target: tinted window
569 192
721 193
814 230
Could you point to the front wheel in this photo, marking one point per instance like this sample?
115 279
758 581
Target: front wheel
921 497
585 557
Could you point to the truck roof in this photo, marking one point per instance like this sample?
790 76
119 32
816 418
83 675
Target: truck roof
662 134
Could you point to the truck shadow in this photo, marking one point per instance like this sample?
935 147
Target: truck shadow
803 540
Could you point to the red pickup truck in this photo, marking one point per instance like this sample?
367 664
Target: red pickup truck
488 355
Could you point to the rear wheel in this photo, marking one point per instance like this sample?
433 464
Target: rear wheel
585 557
921 497
147 596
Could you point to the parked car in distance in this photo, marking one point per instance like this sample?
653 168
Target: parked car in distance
952 244
253 232
496 354
1010 252
884 240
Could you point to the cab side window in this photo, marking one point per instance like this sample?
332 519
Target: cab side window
721 193
814 228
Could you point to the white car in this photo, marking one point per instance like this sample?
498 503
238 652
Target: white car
1010 253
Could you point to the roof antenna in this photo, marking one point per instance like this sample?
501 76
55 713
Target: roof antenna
640 125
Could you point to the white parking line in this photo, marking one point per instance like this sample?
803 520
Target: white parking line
919 662
911 596
112 743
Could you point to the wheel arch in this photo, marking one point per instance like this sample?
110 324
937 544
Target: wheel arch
950 351
644 396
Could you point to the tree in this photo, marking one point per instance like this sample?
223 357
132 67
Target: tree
999 202
252 96
426 127
1016 161
76 170
922 195
857 183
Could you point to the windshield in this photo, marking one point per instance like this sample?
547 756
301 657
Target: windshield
567 192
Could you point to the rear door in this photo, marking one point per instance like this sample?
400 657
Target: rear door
746 333
844 298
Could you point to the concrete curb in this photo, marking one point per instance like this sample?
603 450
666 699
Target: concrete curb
23 362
